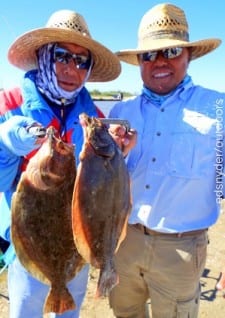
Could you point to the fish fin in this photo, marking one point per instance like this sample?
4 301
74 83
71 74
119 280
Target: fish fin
59 302
108 278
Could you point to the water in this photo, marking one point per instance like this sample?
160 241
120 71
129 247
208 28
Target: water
105 106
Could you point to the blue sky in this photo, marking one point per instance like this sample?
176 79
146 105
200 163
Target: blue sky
115 24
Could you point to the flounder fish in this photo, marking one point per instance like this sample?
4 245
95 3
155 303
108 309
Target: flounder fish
101 201
41 221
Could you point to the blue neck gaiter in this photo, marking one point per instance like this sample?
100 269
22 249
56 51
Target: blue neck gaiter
157 99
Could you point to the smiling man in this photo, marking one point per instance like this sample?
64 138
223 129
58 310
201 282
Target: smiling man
174 168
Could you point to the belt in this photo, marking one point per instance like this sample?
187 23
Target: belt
147 231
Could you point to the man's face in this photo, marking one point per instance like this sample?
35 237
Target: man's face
163 74
69 75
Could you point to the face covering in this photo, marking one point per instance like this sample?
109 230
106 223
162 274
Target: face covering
46 79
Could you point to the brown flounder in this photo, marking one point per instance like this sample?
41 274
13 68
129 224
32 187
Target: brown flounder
101 202
41 221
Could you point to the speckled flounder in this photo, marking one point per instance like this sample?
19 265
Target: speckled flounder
41 221
101 202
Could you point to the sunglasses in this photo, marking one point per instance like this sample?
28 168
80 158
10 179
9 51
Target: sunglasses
63 56
170 53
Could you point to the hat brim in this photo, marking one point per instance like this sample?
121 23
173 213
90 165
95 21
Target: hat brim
198 48
22 52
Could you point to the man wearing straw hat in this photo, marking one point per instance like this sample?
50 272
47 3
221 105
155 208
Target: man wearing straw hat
59 59
176 171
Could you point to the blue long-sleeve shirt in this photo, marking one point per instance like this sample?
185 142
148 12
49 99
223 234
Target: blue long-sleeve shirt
177 165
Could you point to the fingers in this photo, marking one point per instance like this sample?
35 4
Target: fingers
117 130
126 140
221 284
129 141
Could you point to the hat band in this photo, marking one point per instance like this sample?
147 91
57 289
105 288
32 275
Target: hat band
165 34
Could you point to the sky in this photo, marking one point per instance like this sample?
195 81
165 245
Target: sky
114 23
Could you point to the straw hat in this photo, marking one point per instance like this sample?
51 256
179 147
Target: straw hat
65 26
165 26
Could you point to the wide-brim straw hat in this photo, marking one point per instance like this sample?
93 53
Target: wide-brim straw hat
65 26
165 26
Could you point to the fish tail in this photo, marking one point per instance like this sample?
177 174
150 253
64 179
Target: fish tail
59 301
107 280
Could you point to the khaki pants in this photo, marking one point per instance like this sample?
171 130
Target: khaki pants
166 269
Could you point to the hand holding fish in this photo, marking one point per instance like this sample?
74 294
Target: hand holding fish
125 139
16 137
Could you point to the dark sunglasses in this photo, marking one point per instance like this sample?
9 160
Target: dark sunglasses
170 53
63 56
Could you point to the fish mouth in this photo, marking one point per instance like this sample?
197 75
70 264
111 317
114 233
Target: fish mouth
97 136
89 122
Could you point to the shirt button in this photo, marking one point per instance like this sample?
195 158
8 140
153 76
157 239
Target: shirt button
162 110
158 133
147 186
153 159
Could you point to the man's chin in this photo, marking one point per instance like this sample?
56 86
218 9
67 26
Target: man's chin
68 88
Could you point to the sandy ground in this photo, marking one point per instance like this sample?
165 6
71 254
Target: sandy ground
212 303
